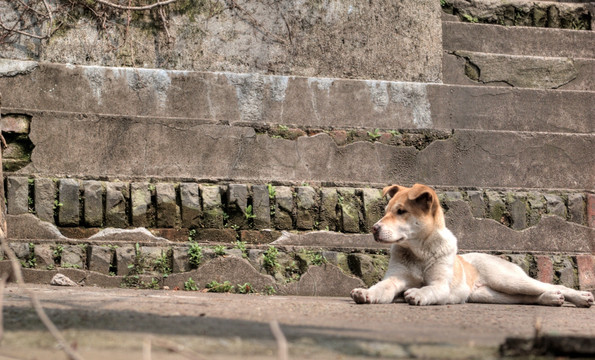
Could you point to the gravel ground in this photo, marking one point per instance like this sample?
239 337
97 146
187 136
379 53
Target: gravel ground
115 323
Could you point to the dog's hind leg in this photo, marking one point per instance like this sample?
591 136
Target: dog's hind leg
485 294
578 298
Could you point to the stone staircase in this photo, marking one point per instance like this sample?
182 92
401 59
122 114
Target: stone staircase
275 180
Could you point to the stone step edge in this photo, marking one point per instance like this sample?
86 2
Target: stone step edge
461 67
451 29
467 12
292 273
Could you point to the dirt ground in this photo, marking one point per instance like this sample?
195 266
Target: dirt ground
116 324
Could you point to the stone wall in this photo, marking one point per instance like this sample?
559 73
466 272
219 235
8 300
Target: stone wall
332 38
257 213
269 270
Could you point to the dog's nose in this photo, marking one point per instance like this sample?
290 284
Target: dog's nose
375 229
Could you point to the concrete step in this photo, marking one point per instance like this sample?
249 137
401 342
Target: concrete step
575 15
197 98
274 269
472 68
142 124
527 41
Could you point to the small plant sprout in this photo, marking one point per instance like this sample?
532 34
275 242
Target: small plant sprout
215 286
249 213
194 254
241 245
191 234
272 191
244 289
219 250
374 135
269 260
269 290
190 285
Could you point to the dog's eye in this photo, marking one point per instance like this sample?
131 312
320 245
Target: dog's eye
401 211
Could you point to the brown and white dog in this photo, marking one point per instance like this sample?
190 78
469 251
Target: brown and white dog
424 266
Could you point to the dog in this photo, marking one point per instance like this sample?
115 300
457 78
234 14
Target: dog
425 269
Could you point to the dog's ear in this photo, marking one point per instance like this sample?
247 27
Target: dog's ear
390 191
424 197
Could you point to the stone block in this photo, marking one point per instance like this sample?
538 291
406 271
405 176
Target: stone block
212 206
477 203
586 271
323 280
150 256
45 195
216 235
168 211
73 256
101 258
93 200
373 205
17 195
237 202
329 216
545 269
68 202
125 259
370 268
307 209
591 210
517 207
555 206
116 204
351 210
284 208
261 206
577 208
191 210
44 256
536 203
141 204
452 196
564 271
180 259
497 208
15 124
259 236
20 249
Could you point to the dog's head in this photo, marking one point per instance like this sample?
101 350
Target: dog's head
411 214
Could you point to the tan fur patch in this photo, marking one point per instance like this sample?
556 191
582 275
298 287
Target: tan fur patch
471 274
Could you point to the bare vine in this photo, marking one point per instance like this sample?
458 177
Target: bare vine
40 19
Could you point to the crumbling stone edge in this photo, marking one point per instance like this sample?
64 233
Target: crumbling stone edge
81 207
240 267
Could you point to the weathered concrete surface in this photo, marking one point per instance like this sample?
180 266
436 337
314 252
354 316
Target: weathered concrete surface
150 95
526 71
114 324
518 40
337 38
532 72
120 148
575 15
550 234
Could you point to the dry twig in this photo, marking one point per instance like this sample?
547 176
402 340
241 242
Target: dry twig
173 347
16 268
281 340
146 7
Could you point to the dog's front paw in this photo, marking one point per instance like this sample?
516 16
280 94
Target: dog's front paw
416 297
360 296
585 299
